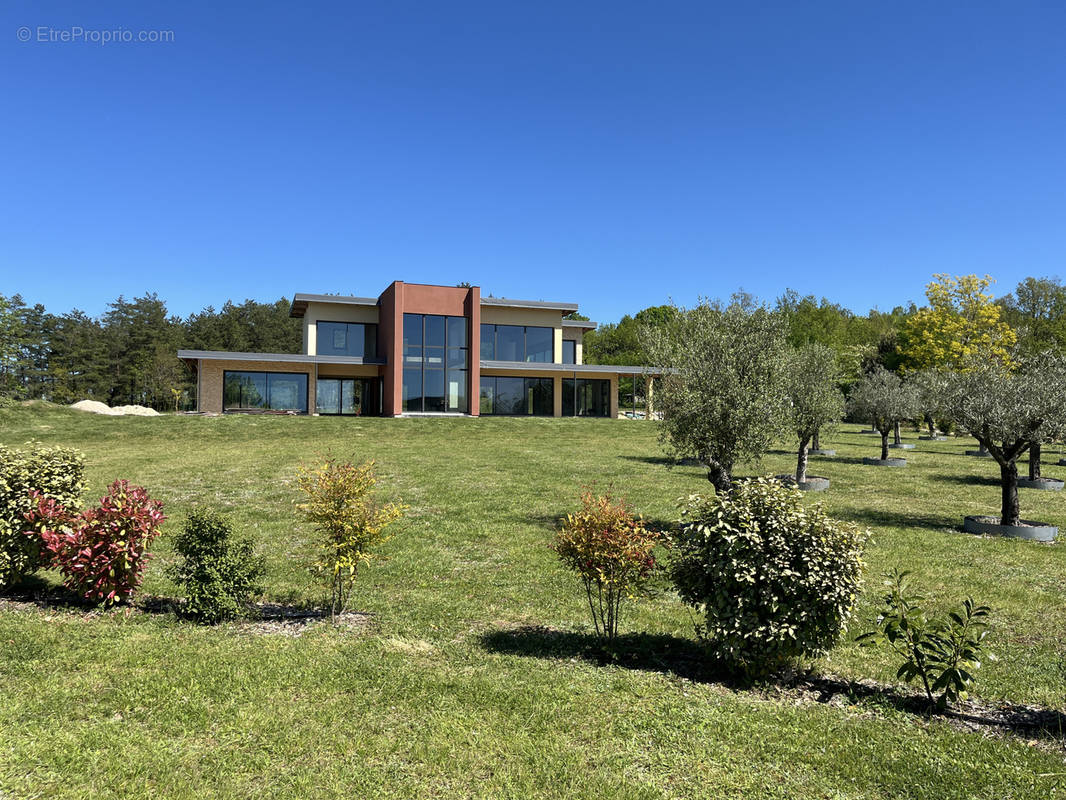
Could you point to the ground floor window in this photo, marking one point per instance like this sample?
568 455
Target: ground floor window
586 397
517 396
354 396
267 391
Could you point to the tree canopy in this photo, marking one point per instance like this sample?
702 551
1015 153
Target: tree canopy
723 397
960 323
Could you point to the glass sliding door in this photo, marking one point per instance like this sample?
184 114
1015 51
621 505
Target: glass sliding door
517 396
347 396
586 397
264 391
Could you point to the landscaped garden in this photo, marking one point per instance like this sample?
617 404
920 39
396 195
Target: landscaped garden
469 666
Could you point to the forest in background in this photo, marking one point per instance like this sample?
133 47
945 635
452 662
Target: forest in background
128 355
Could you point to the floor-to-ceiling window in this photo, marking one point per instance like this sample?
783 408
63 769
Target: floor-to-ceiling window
265 391
354 396
516 396
517 343
347 339
586 397
436 356
569 351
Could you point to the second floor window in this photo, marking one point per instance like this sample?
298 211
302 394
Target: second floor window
517 343
347 339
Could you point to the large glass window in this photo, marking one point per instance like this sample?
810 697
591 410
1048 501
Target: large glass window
347 339
586 397
517 396
266 391
517 343
436 363
569 351
355 396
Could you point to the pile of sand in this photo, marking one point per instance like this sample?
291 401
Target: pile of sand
96 407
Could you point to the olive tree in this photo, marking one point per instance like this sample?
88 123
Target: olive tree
929 385
1007 410
815 399
885 400
723 395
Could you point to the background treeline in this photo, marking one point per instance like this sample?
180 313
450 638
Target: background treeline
902 339
128 354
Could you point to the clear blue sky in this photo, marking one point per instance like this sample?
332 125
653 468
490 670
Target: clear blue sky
614 154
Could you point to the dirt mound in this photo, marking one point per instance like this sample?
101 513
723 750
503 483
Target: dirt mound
96 407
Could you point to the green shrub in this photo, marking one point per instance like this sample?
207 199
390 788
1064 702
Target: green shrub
612 552
774 580
219 573
943 652
54 472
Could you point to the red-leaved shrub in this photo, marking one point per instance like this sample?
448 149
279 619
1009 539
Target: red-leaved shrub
612 552
102 552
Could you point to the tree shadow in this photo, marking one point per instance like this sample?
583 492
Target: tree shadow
897 519
969 480
552 522
647 652
688 659
663 461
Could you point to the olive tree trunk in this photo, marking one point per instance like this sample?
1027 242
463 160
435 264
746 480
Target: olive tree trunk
815 444
884 445
932 427
895 433
801 462
1034 461
1008 476
720 475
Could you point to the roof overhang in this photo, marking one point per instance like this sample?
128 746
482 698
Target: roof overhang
503 302
287 358
300 301
605 369
584 324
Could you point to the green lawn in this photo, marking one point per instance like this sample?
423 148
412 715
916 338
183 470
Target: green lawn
451 691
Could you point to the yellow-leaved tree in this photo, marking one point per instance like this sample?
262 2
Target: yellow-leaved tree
349 520
962 322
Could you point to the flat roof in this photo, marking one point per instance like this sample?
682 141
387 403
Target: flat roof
300 301
580 323
505 302
292 358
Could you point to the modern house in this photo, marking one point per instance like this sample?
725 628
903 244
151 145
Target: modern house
414 350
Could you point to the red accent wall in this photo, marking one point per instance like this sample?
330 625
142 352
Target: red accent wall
390 345
414 298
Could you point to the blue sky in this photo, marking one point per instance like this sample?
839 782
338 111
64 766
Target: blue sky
614 154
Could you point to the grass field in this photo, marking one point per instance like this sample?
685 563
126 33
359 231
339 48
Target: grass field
454 689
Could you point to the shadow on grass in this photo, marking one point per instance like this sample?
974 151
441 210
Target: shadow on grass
39 593
662 461
686 658
552 522
671 655
970 480
899 519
